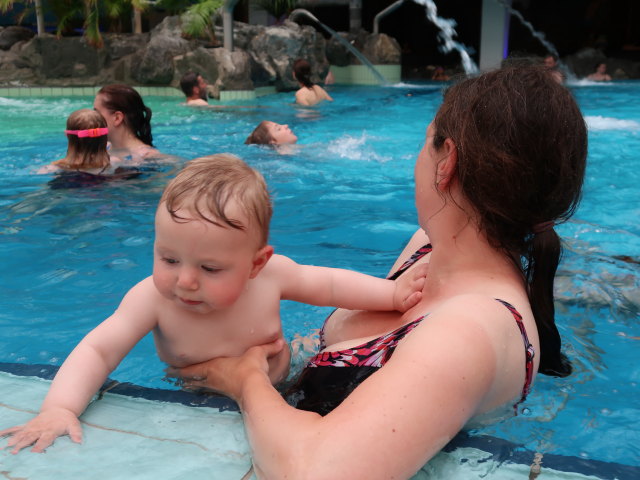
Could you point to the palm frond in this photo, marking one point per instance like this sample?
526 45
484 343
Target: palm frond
197 19
92 25
6 5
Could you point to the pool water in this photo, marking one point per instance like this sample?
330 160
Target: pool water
343 198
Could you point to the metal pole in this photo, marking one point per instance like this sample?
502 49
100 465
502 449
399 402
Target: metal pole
355 15
227 23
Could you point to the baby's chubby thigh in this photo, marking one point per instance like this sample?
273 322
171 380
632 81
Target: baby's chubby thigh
279 365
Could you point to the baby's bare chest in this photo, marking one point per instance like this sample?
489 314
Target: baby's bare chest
184 338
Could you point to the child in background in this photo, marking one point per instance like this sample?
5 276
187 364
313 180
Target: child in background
271 133
87 145
215 291
309 93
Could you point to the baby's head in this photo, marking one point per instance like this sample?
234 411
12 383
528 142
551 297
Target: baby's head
212 227
223 190
271 133
87 135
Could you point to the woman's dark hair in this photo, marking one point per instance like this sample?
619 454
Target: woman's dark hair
137 116
522 145
302 71
260 135
86 152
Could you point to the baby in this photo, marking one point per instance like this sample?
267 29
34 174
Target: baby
215 291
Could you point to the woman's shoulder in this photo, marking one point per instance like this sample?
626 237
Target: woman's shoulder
474 312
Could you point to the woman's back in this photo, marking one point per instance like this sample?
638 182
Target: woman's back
312 96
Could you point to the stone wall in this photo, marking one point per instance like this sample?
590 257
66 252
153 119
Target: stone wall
263 56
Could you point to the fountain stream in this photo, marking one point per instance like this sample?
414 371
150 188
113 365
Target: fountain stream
539 36
447 32
302 12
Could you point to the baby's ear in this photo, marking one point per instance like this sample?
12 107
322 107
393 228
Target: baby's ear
260 259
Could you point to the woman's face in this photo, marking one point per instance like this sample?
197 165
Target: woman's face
109 116
280 134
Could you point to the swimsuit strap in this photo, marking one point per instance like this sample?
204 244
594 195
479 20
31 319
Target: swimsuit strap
530 352
421 252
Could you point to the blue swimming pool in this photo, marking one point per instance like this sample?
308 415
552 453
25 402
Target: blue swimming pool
344 199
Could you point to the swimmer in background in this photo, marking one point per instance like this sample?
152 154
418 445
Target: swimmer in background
600 74
271 133
439 75
309 93
215 291
87 146
551 63
129 123
195 89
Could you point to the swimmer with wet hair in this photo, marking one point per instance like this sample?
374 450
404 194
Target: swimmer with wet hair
194 87
271 133
87 145
129 122
309 93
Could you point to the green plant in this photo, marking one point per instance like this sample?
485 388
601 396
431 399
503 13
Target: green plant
197 19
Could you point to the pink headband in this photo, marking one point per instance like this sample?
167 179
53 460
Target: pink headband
90 132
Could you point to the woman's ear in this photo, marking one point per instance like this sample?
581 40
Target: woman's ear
118 118
260 259
446 168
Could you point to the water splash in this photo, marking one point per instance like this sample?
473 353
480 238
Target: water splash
538 35
447 32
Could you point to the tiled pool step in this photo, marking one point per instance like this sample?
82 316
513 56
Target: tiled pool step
142 433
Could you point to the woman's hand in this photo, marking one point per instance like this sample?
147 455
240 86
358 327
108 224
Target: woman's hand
227 375
43 430
409 287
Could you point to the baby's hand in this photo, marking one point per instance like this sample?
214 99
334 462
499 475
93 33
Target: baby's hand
409 286
43 430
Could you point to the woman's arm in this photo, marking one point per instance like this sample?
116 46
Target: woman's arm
325 94
389 426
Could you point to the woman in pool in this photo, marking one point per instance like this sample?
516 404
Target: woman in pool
504 159
271 133
309 93
128 120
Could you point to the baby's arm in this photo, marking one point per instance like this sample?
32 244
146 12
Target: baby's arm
347 289
85 370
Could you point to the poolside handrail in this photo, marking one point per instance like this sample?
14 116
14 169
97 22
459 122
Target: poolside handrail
301 11
383 13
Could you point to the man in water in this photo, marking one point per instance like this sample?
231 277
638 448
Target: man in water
194 88
551 62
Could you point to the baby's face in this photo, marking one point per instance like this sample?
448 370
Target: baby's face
200 266
280 134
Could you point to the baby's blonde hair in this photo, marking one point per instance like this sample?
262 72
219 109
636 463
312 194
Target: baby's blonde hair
206 186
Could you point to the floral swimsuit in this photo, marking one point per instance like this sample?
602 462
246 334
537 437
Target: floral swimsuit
321 387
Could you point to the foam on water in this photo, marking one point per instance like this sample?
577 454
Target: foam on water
598 122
